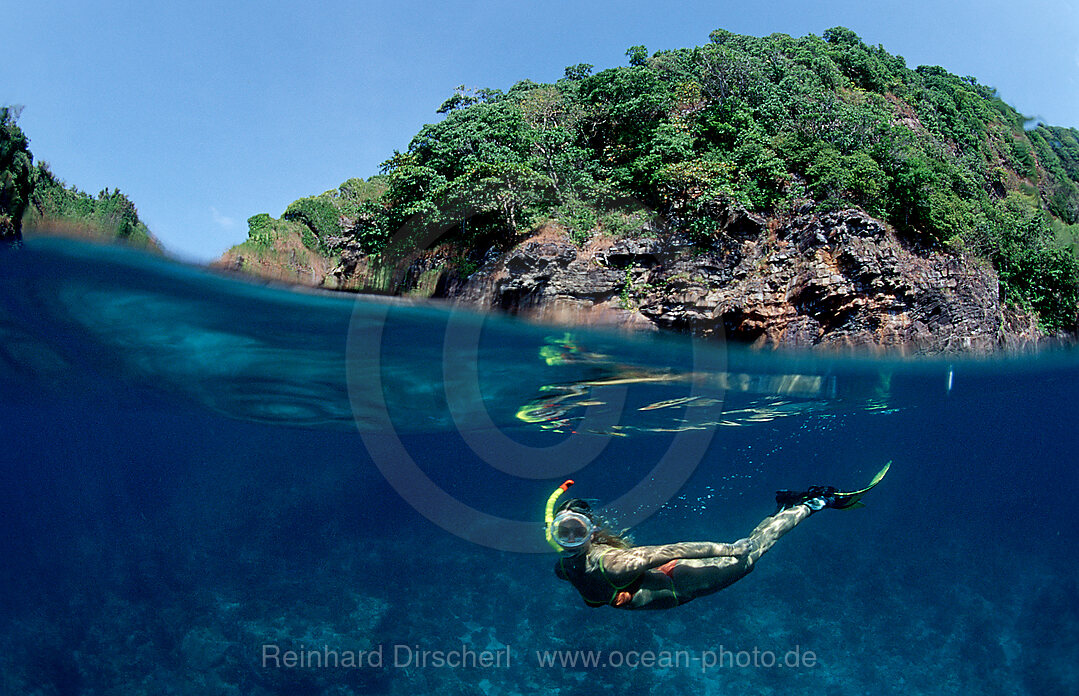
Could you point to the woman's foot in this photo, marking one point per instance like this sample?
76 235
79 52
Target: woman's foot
815 498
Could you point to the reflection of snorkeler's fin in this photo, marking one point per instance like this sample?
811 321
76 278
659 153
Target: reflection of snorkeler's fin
534 413
559 350
669 403
818 497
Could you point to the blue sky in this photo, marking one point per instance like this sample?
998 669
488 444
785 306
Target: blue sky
206 113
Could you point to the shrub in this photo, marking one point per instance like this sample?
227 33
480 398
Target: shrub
318 213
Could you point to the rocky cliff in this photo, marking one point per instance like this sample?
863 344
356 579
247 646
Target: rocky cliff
834 280
841 279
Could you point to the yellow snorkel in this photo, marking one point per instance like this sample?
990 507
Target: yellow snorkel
549 512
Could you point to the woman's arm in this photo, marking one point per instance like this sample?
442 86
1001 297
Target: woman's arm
623 564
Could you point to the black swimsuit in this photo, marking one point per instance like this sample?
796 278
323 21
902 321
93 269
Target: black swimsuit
572 569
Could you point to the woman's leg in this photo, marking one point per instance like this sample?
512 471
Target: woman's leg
692 578
767 533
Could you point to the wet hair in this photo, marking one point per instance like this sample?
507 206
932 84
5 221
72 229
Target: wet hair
603 533
576 505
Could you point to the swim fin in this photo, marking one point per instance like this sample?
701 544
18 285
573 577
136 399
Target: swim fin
851 500
818 497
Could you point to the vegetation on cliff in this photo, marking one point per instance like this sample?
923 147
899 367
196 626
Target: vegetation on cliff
775 125
16 164
32 197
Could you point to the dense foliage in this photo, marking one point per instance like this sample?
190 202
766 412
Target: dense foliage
33 195
16 163
110 214
772 124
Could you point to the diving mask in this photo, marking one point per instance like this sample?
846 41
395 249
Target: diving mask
571 529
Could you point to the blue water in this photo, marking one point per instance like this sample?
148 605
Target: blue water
194 468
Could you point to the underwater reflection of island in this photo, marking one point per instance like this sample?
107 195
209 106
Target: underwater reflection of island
760 397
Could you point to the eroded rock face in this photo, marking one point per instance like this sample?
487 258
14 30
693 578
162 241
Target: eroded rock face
840 279
833 280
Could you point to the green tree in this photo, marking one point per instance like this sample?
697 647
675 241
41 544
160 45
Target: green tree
1034 271
16 167
638 55
579 71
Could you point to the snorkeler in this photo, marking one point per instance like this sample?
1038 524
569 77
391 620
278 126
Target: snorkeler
608 571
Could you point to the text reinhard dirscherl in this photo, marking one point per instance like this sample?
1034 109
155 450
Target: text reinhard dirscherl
400 656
